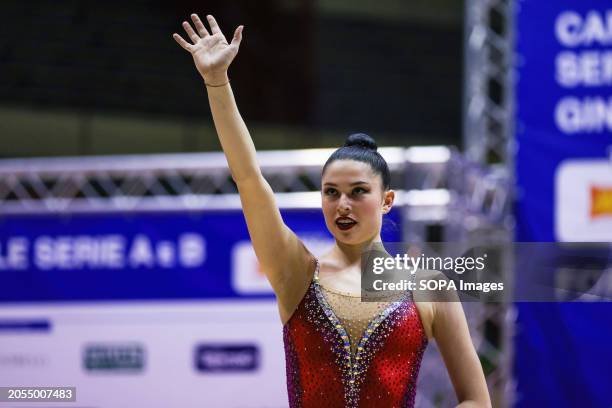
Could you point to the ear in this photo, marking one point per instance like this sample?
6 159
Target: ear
388 198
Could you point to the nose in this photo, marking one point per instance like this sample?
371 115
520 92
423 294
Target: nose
344 205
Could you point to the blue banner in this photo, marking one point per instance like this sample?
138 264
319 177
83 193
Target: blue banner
564 108
564 190
141 255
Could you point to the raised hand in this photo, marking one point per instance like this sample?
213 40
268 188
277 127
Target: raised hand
211 52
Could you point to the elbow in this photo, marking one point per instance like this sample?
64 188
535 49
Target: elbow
480 401
475 399
475 404
248 177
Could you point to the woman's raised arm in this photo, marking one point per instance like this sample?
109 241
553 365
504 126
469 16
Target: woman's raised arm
286 262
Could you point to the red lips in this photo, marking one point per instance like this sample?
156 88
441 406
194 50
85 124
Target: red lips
345 223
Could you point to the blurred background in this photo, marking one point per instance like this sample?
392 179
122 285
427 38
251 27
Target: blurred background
109 79
126 269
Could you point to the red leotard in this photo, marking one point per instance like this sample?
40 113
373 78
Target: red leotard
326 368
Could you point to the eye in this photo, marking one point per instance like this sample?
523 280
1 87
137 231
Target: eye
359 191
330 191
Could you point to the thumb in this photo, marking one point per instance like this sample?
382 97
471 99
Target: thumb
237 36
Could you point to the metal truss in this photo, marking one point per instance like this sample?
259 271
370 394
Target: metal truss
488 111
488 81
477 214
129 182
438 183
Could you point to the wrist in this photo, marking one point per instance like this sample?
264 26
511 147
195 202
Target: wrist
216 78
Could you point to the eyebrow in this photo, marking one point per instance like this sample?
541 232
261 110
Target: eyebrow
352 184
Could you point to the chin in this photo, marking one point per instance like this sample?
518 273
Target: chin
346 241
344 238
351 239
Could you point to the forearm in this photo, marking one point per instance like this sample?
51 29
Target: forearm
233 134
455 344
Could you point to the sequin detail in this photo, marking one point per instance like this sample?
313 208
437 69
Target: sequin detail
325 370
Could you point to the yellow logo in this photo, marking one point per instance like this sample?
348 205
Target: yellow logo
601 201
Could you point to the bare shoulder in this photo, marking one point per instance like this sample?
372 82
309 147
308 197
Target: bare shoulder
434 286
291 290
426 314
423 304
428 301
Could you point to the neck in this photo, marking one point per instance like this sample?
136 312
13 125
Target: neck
351 253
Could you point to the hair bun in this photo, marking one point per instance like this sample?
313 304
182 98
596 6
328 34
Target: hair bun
361 140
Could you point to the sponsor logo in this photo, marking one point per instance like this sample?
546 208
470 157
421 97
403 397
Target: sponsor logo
114 357
25 325
583 201
224 358
19 360
247 276
601 201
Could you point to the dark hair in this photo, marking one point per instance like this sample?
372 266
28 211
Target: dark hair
363 148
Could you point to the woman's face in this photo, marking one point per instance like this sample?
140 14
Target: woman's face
353 201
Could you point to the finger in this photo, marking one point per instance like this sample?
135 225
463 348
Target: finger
199 26
186 46
214 27
194 37
237 36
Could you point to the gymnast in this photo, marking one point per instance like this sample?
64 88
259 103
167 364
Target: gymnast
339 350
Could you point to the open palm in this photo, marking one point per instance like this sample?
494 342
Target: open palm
211 52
